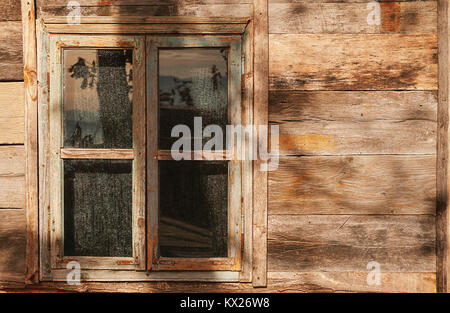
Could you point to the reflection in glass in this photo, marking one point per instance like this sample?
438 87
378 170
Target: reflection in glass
193 209
98 208
192 82
97 98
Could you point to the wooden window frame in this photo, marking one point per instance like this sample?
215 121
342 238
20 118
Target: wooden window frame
235 230
96 269
58 43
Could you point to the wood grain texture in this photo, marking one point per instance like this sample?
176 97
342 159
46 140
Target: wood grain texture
316 17
97 154
351 106
12 177
149 8
194 28
12 245
11 113
353 61
331 1
58 3
31 138
11 66
353 138
347 243
260 117
442 203
354 185
344 122
10 10
278 282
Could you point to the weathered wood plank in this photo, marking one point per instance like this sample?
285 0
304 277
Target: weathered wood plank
347 243
162 9
10 10
11 66
278 282
353 61
350 138
442 181
11 113
31 138
340 1
316 17
12 245
351 282
63 3
354 185
260 117
356 106
344 122
213 10
12 177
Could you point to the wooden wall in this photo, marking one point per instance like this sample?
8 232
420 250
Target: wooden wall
12 158
356 106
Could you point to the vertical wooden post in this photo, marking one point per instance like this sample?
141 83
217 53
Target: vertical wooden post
31 133
261 99
443 210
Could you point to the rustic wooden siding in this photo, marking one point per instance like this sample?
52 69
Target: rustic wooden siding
356 106
12 244
12 154
244 8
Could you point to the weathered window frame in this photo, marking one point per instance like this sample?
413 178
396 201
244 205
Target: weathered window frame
58 153
240 269
235 217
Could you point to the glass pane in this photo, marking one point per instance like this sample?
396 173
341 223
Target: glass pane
97 98
193 209
192 82
98 208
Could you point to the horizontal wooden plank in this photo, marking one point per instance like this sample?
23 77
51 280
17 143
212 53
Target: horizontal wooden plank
162 9
150 20
344 122
330 1
198 155
11 66
214 10
353 61
356 106
12 113
351 282
347 243
353 138
146 28
12 177
10 10
278 282
12 245
354 185
97 154
59 3
316 17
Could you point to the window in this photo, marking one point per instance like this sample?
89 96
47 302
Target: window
114 197
195 205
